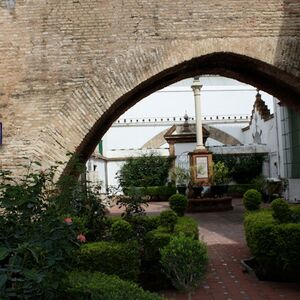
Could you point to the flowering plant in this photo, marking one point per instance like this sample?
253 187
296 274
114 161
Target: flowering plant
37 244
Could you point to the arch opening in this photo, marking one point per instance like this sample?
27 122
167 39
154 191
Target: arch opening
280 84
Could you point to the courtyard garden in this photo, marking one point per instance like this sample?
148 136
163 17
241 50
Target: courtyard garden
57 240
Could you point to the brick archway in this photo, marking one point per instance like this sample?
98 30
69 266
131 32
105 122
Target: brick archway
242 68
69 69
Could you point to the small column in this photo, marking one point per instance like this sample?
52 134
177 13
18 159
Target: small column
196 86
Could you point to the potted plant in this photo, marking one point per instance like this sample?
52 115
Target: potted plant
220 178
181 177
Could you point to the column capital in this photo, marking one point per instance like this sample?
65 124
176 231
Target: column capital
196 84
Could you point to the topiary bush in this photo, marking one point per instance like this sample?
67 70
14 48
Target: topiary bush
178 203
168 219
121 231
275 246
281 211
121 259
252 199
184 261
152 276
99 286
155 240
188 227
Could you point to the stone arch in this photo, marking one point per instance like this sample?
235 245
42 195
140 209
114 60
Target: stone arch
222 136
240 67
91 108
86 112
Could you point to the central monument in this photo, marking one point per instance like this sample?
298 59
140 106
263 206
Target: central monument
200 158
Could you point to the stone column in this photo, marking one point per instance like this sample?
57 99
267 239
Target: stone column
196 86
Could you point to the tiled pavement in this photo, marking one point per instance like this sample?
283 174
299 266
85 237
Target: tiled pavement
224 234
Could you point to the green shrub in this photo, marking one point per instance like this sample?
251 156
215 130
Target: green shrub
155 240
281 211
187 226
178 203
168 219
121 259
147 170
133 204
274 246
252 199
243 167
98 286
121 231
184 261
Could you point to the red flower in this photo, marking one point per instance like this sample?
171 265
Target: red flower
68 221
81 238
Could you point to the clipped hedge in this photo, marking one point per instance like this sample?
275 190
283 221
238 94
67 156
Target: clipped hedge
184 261
98 286
187 226
252 199
160 237
179 204
121 259
274 246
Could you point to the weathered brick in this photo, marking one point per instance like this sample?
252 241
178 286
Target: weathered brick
69 68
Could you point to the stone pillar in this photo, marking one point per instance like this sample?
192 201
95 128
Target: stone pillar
196 86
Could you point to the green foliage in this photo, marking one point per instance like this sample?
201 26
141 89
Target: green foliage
147 170
184 261
252 199
36 245
134 204
121 231
281 211
98 286
221 173
42 223
178 203
121 259
155 240
275 246
168 219
180 176
187 226
244 167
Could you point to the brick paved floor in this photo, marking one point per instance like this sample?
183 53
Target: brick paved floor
223 232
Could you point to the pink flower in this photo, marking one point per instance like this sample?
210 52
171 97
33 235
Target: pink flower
81 238
68 221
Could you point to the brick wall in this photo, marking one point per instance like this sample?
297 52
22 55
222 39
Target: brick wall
69 68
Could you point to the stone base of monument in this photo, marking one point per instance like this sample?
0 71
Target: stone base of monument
209 204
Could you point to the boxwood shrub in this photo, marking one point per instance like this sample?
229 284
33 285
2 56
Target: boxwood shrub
275 246
152 276
178 203
121 231
121 259
168 219
184 261
98 286
252 199
187 226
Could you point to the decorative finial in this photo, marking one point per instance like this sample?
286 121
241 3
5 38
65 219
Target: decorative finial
186 117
